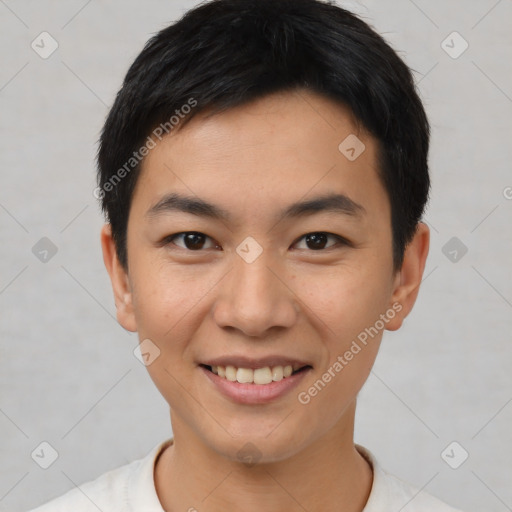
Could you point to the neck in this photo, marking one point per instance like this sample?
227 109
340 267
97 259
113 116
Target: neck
328 475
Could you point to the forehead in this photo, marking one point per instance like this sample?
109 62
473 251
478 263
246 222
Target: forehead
268 153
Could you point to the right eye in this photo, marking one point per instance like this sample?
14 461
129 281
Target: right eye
190 240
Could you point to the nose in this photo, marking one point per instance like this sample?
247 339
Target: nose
255 298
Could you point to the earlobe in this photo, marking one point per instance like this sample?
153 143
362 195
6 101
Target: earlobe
119 280
408 279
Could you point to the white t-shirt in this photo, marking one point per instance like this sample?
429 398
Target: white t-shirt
131 488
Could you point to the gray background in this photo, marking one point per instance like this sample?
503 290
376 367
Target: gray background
68 375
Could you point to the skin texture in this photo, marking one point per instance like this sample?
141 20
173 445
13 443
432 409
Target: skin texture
253 161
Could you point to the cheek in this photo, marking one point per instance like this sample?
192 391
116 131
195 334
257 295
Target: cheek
345 307
343 301
165 302
165 297
169 304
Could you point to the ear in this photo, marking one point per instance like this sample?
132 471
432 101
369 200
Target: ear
408 279
119 279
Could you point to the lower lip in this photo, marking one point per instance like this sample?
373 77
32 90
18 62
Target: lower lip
255 393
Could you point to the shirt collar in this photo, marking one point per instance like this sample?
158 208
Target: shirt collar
142 479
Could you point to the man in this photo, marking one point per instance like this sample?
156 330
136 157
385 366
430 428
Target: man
263 172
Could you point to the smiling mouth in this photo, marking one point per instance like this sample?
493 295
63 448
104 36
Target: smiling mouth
259 376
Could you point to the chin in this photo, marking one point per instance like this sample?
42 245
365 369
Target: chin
256 445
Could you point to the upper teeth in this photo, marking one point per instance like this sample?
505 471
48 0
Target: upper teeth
264 375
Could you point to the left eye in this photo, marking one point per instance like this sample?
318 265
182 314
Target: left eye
318 241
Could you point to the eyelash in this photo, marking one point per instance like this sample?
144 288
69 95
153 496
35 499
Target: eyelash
340 240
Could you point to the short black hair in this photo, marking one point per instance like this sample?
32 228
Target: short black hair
226 53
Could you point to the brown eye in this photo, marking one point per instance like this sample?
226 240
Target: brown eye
191 240
194 241
318 241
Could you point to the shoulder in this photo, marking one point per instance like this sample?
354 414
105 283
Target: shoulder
114 491
412 499
104 493
389 492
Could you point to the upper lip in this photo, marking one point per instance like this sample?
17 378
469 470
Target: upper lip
256 362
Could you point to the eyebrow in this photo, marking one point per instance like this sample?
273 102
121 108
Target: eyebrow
334 203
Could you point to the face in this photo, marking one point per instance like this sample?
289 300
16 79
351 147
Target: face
255 245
